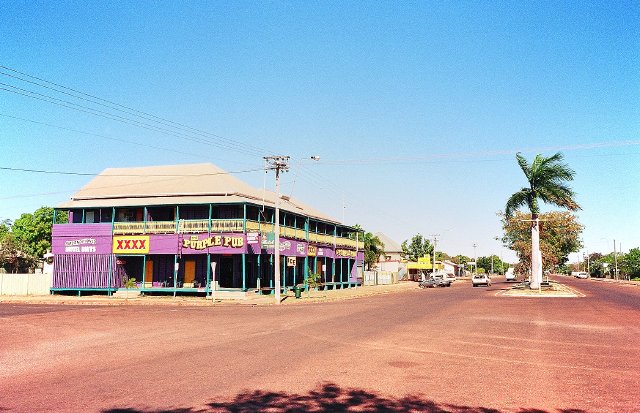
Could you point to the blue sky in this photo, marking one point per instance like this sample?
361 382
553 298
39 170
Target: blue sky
416 108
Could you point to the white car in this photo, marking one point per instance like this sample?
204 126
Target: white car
480 279
581 274
510 275
444 275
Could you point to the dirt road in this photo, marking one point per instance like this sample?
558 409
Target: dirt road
457 349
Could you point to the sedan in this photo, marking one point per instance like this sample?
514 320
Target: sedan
480 279
435 282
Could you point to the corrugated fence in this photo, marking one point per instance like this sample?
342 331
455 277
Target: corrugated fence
380 277
25 284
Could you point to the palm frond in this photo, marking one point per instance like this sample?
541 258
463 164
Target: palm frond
524 165
517 200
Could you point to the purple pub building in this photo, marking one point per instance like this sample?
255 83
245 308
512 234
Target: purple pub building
192 228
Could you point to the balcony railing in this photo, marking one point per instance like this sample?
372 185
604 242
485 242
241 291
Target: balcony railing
184 226
228 225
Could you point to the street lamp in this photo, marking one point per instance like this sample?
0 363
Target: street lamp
497 238
475 259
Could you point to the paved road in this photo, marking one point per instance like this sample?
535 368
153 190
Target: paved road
457 349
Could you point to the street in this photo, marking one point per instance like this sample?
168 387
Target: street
458 349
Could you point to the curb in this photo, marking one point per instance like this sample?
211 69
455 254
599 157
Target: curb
327 296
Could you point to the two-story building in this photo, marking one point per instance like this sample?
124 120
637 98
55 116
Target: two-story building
191 228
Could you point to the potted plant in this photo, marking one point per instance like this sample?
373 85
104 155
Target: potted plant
312 281
128 283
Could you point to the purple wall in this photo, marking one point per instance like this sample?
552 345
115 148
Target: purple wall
84 271
326 252
81 239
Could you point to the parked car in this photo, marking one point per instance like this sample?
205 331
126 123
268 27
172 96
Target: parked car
435 282
580 274
510 275
480 279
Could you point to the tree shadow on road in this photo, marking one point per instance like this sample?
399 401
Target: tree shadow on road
326 398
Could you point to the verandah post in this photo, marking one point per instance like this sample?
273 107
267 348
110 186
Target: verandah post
206 289
244 272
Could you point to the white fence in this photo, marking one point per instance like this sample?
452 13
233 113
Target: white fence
25 284
380 278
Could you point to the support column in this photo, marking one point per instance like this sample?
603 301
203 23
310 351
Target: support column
271 271
207 285
144 270
177 219
210 213
175 273
244 272
259 276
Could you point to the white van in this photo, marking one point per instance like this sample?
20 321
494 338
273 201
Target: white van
580 274
510 275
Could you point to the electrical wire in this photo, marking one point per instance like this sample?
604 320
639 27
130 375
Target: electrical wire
124 109
124 175
103 136
117 118
476 155
174 176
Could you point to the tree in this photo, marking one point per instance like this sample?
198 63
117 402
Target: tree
373 247
5 228
9 253
33 232
631 262
559 236
416 248
547 178
492 263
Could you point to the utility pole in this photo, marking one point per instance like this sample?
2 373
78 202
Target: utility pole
277 164
615 258
435 242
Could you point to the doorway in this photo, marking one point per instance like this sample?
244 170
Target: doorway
226 272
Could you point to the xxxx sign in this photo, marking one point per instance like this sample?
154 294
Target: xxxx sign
131 245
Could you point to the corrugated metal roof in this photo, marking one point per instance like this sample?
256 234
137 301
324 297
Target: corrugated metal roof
177 184
389 244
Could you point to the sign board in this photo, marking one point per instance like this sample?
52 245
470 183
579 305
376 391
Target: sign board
269 240
291 261
131 245
253 238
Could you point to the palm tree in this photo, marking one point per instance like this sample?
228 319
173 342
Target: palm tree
547 182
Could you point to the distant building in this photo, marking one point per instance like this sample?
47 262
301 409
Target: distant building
451 267
391 260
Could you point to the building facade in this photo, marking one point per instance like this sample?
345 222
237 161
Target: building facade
193 228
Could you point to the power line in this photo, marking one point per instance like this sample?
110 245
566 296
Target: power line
117 106
101 136
174 176
117 118
227 142
476 155
5 168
